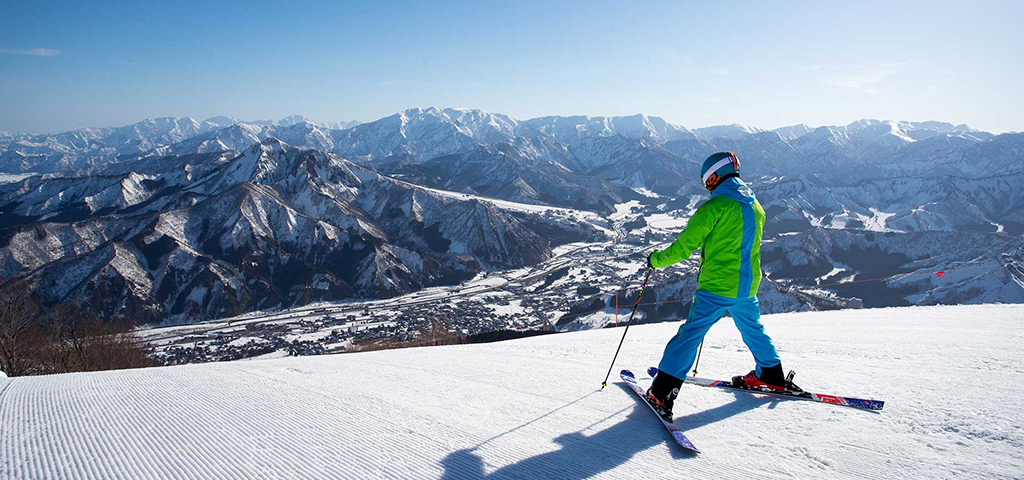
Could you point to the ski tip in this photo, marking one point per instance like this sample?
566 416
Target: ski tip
626 373
652 371
684 442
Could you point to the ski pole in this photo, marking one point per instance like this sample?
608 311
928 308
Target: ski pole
605 382
698 357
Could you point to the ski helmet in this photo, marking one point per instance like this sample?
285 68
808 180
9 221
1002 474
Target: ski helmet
719 167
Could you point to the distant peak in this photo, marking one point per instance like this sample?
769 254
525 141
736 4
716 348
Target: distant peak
863 123
731 131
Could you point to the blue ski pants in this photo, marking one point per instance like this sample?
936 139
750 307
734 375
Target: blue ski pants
706 310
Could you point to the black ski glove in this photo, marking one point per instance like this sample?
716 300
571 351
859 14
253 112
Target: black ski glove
649 256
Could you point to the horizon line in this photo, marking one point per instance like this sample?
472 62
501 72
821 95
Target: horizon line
237 120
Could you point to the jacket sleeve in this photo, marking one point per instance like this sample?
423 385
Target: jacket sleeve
690 239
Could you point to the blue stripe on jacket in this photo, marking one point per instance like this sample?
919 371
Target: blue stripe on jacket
735 189
746 246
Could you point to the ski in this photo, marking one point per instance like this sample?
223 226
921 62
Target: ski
673 429
861 403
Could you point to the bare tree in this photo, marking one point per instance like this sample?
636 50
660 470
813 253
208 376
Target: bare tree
62 338
19 330
78 341
57 354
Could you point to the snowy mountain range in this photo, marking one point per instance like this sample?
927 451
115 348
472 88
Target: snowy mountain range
218 234
88 147
180 220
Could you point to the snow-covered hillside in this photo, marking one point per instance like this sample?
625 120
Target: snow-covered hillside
531 408
179 241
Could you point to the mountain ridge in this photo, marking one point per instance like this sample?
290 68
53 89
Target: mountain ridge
416 199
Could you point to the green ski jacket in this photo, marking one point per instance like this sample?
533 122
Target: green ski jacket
727 228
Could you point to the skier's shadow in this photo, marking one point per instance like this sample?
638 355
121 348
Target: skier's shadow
583 456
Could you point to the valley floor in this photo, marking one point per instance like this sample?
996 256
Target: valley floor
951 377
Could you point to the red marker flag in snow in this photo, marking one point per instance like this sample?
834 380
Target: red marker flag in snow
940 273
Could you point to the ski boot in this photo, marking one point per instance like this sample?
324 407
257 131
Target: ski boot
771 379
662 394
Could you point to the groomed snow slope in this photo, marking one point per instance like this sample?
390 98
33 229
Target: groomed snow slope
951 378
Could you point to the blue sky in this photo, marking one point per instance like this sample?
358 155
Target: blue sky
73 64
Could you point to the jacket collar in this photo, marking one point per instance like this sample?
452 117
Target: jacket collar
735 189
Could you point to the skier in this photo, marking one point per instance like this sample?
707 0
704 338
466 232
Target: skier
727 228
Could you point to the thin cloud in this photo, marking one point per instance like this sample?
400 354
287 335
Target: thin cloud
864 78
877 65
33 52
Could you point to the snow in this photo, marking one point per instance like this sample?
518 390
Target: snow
532 408
607 317
308 336
569 247
13 177
840 268
505 204
646 192
241 341
514 307
664 221
593 219
878 220
624 209
734 131
623 269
